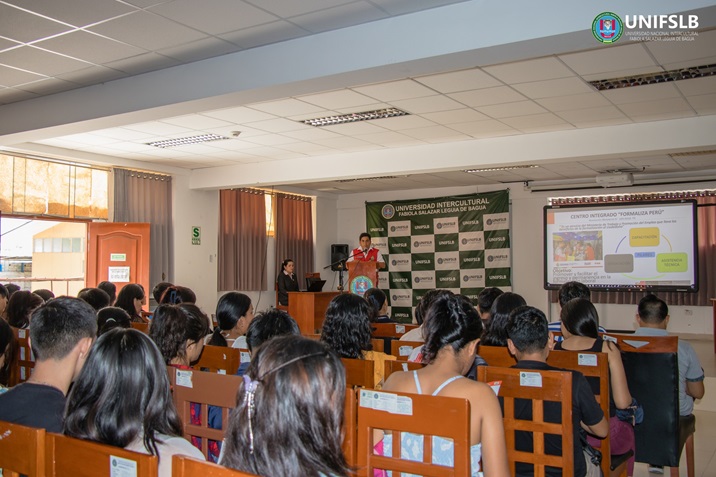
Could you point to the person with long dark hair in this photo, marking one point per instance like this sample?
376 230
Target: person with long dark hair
122 398
379 303
452 332
289 414
179 332
8 356
20 307
347 331
234 313
110 318
496 334
131 298
286 281
110 289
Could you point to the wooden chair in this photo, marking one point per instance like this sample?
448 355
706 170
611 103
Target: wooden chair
80 458
397 365
183 466
389 332
220 359
143 327
359 372
25 360
350 422
454 423
556 387
402 349
22 450
378 345
497 356
203 389
651 366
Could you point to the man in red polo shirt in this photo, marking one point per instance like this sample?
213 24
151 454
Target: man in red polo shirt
366 252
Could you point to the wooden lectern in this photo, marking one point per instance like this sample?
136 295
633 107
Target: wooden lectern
309 309
362 276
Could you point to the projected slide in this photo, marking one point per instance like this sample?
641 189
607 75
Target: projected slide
635 246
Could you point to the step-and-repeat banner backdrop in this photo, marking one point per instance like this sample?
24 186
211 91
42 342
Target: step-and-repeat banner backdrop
459 243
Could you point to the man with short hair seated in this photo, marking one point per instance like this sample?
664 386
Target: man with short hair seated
61 334
569 291
530 341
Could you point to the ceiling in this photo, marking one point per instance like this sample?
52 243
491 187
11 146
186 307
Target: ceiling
57 56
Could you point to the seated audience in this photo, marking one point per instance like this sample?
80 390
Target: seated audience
569 291
96 298
234 313
286 281
496 334
8 356
530 340
289 415
416 334
20 307
110 318
12 288
346 330
452 333
122 398
379 303
579 329
61 335
45 294
158 291
268 324
484 303
131 298
4 297
176 294
179 332
110 289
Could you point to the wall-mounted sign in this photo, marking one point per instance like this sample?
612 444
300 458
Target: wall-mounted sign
196 235
117 257
118 274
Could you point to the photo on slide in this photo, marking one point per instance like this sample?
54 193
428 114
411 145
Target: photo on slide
578 246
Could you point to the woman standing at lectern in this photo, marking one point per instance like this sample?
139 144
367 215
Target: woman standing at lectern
287 281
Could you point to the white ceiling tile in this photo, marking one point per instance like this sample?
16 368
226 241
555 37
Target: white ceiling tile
278 125
7 44
354 129
453 82
695 162
529 71
288 107
196 121
403 122
144 63
346 144
463 115
90 139
603 165
391 139
433 133
89 47
239 115
661 116
636 94
308 148
591 114
606 61
339 17
199 50
537 122
126 146
284 9
484 128
702 46
484 97
360 109
40 61
214 16
553 88
574 101
656 107
22 26
400 7
148 31
79 13
508 110
395 90
344 98
272 153
244 131
697 86
158 128
264 34
651 161
123 134
92 75
47 86
237 144
703 104
598 123
311 134
271 140
13 77
429 104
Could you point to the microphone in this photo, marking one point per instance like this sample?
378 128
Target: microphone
365 250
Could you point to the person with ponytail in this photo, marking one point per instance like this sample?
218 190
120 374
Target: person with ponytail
379 303
452 333
234 314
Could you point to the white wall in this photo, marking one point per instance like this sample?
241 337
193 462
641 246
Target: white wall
527 246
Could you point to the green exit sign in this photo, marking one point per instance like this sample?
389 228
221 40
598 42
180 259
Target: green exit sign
196 235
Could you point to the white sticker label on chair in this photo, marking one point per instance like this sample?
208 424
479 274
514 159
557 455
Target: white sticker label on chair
609 338
495 385
400 329
405 367
245 356
587 359
405 350
388 402
221 371
636 344
533 380
184 379
120 467
21 333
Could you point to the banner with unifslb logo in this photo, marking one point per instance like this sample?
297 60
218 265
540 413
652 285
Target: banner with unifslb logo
457 243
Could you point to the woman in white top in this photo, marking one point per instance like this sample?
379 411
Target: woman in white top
234 314
122 398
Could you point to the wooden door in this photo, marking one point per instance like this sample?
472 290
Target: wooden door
119 253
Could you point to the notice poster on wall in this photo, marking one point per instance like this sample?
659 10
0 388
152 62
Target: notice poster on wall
459 243
636 246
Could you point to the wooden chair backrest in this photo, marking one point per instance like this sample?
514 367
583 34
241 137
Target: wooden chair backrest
359 372
397 365
22 450
497 356
402 349
350 421
183 466
378 345
391 330
219 359
203 389
25 359
556 387
143 327
312 336
81 458
454 423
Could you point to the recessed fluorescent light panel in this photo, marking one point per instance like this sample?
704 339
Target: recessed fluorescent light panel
654 78
367 179
185 141
355 117
506 168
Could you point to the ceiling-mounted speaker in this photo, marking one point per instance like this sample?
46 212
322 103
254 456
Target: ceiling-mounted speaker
339 252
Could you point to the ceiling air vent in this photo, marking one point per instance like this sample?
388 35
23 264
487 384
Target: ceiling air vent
655 78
